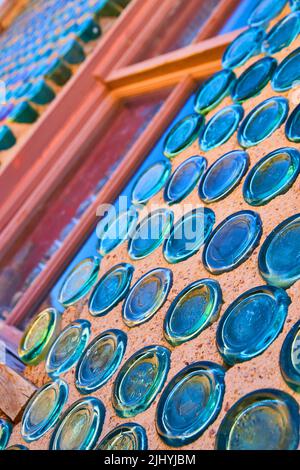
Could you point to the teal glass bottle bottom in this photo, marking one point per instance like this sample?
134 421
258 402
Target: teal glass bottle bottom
242 48
251 323
100 360
151 181
147 296
67 348
188 234
232 242
183 134
213 91
128 436
278 257
5 432
290 358
263 121
140 380
195 308
80 426
114 230
184 179
111 289
150 233
43 410
79 281
292 129
266 419
223 176
287 74
221 127
272 176
190 403
282 34
265 12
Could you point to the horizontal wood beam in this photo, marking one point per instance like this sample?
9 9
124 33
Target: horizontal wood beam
197 61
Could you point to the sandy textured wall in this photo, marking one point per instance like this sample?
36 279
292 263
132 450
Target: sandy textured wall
262 371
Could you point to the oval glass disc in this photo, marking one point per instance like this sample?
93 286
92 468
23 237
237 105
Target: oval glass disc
245 46
271 176
213 91
112 231
184 179
68 347
80 426
263 121
232 242
254 79
79 281
221 127
183 134
190 402
140 380
223 176
251 323
266 11
43 410
282 34
128 436
17 447
266 419
287 74
39 336
147 296
193 310
290 358
5 433
151 182
188 234
278 259
100 361
292 129
111 289
150 233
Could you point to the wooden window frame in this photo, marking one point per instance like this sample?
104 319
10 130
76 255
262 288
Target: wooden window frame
91 98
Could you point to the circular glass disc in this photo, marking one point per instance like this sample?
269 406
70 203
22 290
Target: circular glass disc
262 420
114 230
128 436
263 121
278 259
67 348
271 176
150 233
188 234
292 129
43 410
287 74
290 358
5 432
184 179
80 426
251 323
213 91
232 242
223 176
100 361
195 308
183 134
151 182
39 336
221 127
140 380
282 34
147 296
190 403
266 11
245 46
111 289
79 281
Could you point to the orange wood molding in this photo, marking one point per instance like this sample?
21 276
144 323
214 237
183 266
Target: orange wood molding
109 193
198 61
